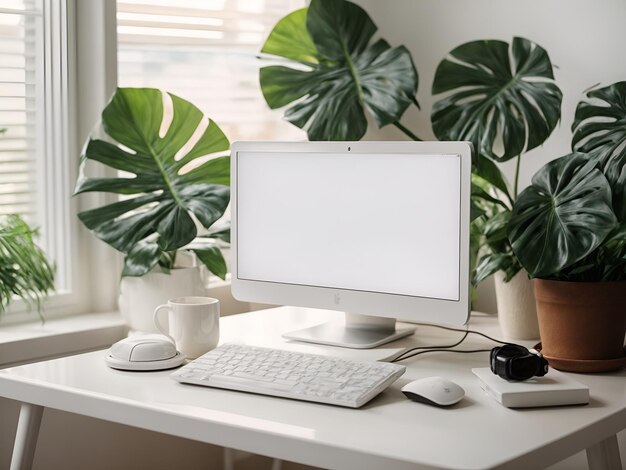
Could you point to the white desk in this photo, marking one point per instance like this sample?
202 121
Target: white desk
389 432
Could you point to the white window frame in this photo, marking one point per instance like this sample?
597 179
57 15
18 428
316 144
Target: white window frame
76 79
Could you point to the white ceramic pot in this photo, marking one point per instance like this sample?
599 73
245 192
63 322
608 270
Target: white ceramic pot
517 311
139 296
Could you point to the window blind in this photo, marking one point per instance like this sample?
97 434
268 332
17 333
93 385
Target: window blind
21 106
36 158
205 51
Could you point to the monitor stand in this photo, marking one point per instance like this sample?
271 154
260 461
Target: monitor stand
358 332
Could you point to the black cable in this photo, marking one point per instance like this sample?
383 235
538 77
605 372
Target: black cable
446 348
463 331
466 351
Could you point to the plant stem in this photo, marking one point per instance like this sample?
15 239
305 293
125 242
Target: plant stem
406 131
517 165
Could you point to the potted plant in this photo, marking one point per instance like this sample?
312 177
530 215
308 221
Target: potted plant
172 174
25 272
501 97
568 229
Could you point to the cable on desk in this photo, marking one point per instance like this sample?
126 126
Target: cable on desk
465 351
427 349
463 331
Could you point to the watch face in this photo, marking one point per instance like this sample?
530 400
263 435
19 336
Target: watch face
524 368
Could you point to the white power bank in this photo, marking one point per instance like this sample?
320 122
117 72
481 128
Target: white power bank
553 389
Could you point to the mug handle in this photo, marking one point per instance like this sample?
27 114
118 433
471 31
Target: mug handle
158 324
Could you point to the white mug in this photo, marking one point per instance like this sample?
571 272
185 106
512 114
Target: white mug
194 324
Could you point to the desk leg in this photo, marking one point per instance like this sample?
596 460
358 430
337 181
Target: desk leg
229 459
26 436
604 455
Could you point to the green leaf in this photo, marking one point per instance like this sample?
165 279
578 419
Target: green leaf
141 258
174 184
480 193
617 236
562 217
615 172
25 271
600 127
212 258
496 92
490 172
475 211
338 73
286 39
146 254
495 229
582 269
491 263
600 124
220 234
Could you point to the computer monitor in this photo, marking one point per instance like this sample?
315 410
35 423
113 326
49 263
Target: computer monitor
379 230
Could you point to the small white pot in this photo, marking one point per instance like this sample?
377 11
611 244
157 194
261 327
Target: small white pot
139 296
517 311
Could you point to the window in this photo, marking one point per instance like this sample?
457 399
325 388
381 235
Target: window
205 51
21 67
36 160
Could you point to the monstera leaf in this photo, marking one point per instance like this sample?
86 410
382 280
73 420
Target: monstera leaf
563 216
600 127
171 187
601 123
497 95
337 72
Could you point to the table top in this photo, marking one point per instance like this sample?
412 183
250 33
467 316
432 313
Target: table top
390 431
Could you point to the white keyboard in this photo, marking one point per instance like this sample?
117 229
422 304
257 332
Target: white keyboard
288 374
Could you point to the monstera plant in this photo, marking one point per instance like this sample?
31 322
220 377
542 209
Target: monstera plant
501 97
570 224
171 178
336 73
568 229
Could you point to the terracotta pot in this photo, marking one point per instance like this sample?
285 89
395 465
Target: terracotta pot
517 312
582 322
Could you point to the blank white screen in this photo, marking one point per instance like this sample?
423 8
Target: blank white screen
371 222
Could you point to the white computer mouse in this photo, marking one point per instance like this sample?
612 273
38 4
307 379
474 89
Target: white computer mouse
143 348
434 391
145 352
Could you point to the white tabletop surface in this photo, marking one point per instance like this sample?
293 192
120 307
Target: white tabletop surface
388 432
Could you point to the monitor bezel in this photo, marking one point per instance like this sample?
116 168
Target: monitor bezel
386 305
